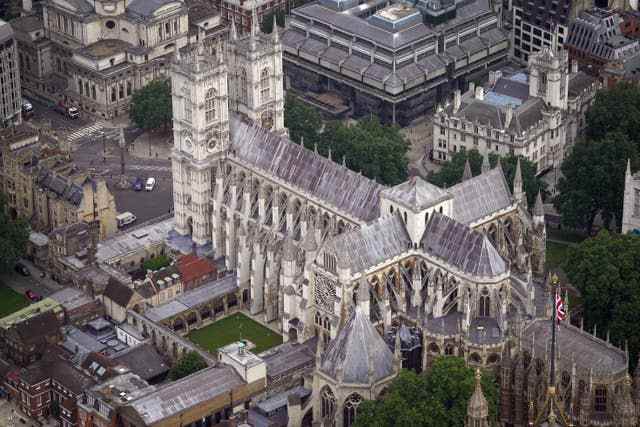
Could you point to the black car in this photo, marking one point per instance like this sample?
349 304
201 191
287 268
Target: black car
22 269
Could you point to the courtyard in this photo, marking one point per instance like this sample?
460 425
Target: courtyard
10 301
234 328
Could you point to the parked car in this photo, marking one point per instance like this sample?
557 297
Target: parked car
33 297
22 269
67 111
125 218
27 108
138 184
150 185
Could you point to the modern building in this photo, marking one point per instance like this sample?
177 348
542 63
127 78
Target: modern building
393 60
10 97
631 205
539 24
535 113
597 42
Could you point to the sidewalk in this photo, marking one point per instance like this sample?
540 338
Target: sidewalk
152 145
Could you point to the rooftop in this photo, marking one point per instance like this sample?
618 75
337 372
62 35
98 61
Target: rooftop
178 396
105 48
289 356
71 298
143 360
131 241
416 194
122 389
33 310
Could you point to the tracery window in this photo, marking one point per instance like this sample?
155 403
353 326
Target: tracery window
210 106
600 399
242 89
265 86
328 403
351 409
484 304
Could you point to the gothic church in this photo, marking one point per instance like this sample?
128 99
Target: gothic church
326 252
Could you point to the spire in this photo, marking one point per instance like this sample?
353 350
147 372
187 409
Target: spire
466 175
478 409
518 192
329 155
254 28
485 163
275 37
363 296
234 32
344 161
538 208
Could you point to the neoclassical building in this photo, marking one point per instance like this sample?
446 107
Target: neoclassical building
383 276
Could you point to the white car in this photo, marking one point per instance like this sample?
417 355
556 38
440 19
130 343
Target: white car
125 218
150 185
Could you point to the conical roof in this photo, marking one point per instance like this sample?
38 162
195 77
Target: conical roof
466 174
538 208
358 350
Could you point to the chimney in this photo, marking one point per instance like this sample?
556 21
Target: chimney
457 100
508 116
574 66
494 76
479 93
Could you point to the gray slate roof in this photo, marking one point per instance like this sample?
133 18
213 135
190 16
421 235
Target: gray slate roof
143 360
480 196
372 243
306 170
146 8
357 348
178 396
416 194
466 249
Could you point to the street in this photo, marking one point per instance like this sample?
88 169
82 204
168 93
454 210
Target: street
41 286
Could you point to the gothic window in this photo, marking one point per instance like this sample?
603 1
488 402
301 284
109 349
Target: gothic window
636 204
325 293
484 304
600 405
265 86
328 403
187 110
543 83
242 89
330 262
351 409
210 106
391 209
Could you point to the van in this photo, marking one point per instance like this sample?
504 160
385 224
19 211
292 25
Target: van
125 218
151 183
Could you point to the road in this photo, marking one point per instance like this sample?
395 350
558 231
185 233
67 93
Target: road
104 160
43 286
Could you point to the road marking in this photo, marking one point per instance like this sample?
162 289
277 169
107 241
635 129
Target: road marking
86 131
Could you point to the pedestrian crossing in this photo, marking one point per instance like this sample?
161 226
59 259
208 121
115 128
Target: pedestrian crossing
149 168
94 129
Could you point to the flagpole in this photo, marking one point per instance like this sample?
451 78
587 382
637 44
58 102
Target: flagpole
552 373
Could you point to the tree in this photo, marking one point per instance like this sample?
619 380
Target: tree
151 105
187 365
10 9
14 235
452 170
606 270
438 398
376 150
615 109
266 26
593 181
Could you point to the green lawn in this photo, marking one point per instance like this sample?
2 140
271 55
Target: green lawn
233 328
11 301
556 254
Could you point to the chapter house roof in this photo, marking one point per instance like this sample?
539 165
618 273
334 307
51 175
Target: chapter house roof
416 194
357 350
305 170
466 249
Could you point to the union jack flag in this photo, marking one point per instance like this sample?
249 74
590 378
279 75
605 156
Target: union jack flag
561 314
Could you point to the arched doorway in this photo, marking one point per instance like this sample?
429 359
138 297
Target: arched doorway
293 335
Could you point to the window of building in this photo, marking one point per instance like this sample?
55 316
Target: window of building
242 89
128 88
187 110
350 409
636 204
93 91
484 304
600 404
121 90
113 94
210 106
328 403
265 85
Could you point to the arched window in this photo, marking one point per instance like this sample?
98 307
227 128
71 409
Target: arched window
210 106
265 86
600 404
391 208
484 304
242 89
351 409
426 218
328 403
405 217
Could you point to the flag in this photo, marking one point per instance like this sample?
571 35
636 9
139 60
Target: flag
561 314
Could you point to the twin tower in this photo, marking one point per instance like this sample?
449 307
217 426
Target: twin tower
243 76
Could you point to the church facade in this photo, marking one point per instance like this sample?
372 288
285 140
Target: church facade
327 253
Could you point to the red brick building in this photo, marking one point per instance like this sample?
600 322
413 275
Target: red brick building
195 271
